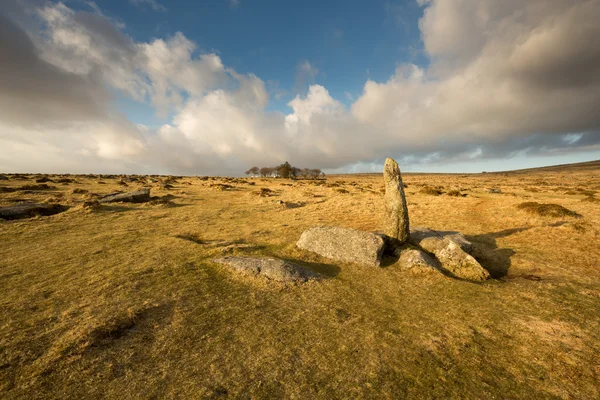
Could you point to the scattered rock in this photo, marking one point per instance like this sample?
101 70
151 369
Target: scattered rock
139 196
78 191
4 178
342 244
396 211
270 268
413 258
494 190
28 210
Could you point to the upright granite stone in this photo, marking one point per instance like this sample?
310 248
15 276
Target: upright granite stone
342 244
396 224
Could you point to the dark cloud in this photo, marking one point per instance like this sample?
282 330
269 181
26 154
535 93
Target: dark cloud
33 91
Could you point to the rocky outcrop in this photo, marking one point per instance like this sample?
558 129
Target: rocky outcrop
270 268
342 244
139 196
396 224
29 210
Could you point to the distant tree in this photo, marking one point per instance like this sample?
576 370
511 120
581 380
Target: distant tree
253 171
284 170
315 173
295 173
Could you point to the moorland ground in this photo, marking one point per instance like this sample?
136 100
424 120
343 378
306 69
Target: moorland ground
123 301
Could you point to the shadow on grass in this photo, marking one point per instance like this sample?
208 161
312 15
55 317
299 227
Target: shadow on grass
485 249
327 271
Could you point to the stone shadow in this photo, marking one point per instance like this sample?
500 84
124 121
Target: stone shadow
327 271
485 249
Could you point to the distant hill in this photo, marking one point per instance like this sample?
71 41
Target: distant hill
579 167
575 167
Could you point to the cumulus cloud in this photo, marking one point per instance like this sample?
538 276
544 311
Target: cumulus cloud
504 77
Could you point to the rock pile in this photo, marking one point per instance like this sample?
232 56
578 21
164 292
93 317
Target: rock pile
420 247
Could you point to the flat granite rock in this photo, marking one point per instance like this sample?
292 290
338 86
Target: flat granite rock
343 244
29 210
271 268
139 196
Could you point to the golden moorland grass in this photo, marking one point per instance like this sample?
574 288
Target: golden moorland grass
123 301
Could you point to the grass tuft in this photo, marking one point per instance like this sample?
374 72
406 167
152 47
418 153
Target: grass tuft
547 209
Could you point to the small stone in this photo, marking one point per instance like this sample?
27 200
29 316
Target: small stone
413 258
271 268
342 244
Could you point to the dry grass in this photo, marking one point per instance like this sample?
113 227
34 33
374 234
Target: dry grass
122 300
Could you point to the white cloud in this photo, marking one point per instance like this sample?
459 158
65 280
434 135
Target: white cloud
504 77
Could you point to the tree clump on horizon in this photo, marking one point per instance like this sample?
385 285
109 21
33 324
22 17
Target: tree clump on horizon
286 170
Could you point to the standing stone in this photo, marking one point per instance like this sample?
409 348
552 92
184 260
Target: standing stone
396 211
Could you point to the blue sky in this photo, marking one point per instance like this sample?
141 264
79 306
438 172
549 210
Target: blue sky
346 42
213 87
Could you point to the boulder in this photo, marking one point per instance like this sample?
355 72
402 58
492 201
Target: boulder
342 244
414 258
270 268
139 196
461 264
396 224
28 210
